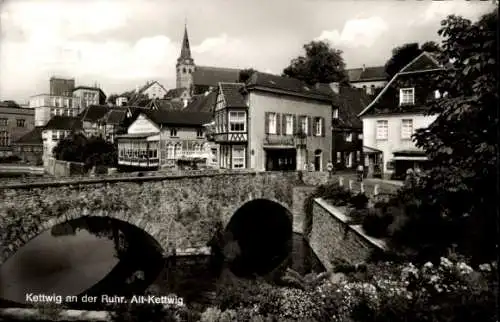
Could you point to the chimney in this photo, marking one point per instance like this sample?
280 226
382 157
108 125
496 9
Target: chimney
364 67
335 86
137 88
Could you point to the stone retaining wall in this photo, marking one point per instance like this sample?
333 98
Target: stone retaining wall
332 237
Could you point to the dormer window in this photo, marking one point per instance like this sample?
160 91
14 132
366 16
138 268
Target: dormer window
406 96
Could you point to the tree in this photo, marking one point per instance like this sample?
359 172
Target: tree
91 151
404 54
401 56
245 74
461 186
112 98
321 64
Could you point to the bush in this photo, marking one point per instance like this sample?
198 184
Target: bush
376 222
359 201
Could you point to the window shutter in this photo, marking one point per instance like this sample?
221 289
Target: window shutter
295 127
323 127
278 123
284 119
309 125
314 125
266 122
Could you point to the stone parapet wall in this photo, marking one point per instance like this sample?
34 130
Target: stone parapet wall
177 210
333 238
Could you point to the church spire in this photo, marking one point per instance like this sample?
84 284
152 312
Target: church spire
185 50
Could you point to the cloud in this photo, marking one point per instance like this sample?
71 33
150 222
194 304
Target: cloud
362 32
439 10
221 46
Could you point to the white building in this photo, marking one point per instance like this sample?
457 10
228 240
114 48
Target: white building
55 130
370 79
392 118
163 138
84 96
46 106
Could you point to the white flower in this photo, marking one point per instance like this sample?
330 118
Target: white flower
445 262
485 267
428 265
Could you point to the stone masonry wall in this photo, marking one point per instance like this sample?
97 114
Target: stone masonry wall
332 237
177 210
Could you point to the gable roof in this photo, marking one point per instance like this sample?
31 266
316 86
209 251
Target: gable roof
170 105
350 102
175 92
285 85
134 95
211 76
202 103
32 137
60 122
93 113
233 95
179 118
422 63
114 116
366 74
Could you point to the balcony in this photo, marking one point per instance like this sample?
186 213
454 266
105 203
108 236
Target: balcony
139 162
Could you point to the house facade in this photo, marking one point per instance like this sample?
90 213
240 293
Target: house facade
159 139
55 130
392 118
61 86
29 148
369 79
14 123
272 123
347 128
47 106
84 96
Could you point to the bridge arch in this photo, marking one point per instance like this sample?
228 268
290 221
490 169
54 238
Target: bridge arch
155 234
262 230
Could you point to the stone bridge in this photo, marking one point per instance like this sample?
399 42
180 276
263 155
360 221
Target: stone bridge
179 211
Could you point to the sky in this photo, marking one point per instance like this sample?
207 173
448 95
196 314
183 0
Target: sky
121 44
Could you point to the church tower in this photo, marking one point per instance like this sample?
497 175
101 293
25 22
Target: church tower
185 64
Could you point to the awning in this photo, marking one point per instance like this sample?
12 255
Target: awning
410 158
367 149
414 152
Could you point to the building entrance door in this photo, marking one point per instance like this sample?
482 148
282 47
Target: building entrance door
281 160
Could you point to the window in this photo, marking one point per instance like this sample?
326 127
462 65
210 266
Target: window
238 157
237 121
271 123
303 124
348 137
358 156
199 133
4 138
406 96
319 126
360 136
170 151
348 160
3 122
178 151
173 132
335 113
382 130
289 125
406 129
339 157
214 155
55 136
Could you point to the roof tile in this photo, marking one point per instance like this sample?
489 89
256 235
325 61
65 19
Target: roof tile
233 95
59 122
211 76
